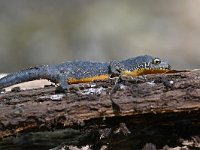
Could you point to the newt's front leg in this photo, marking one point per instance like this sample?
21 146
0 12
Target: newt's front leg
116 69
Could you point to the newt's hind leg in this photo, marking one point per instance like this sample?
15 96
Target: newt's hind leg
63 83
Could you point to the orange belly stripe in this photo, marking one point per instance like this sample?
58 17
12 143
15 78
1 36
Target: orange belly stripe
89 79
144 71
125 73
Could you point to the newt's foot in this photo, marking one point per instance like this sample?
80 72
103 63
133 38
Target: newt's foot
63 87
59 90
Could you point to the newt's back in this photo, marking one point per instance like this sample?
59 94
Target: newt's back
83 69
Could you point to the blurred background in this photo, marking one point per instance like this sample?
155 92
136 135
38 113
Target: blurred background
47 31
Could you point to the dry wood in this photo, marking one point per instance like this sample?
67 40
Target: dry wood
143 102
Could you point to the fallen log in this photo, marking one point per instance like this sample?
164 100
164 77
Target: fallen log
160 109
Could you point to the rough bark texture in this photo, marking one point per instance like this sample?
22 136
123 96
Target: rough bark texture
151 111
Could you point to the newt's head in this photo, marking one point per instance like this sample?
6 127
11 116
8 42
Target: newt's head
146 64
151 63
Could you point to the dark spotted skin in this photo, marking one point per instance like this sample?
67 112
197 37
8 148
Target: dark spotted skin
84 71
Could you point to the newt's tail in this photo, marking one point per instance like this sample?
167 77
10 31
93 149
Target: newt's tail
23 76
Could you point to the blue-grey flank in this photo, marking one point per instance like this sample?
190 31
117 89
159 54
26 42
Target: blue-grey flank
62 73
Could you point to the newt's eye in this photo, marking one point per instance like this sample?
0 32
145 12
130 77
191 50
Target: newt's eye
156 61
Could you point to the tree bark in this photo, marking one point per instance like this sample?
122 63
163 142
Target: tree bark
141 107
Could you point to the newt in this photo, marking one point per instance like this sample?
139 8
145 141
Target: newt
72 72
